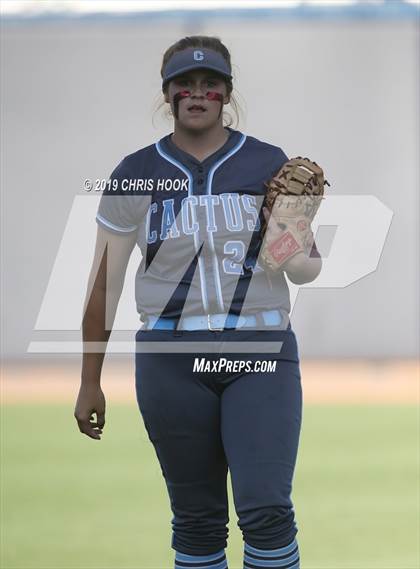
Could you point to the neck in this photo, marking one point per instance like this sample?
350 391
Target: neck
200 144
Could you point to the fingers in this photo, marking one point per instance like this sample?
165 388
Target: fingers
90 426
90 411
100 420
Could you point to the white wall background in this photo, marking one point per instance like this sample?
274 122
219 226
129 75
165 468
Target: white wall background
77 96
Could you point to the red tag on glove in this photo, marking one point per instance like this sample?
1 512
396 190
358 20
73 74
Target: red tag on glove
284 247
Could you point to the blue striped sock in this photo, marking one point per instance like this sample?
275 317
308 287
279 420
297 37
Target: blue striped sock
212 561
282 558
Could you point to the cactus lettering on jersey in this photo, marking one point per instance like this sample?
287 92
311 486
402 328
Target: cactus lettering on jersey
237 212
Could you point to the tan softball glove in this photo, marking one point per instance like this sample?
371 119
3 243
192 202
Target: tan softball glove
293 197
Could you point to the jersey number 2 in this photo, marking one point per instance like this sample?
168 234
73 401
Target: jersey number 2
233 265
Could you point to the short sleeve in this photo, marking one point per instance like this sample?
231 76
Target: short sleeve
120 210
280 158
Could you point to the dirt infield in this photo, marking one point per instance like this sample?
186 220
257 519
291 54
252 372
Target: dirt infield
324 382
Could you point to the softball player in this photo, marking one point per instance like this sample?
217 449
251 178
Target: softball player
192 203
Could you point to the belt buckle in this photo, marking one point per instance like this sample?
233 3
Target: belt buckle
210 327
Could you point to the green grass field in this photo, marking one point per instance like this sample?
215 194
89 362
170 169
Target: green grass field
72 502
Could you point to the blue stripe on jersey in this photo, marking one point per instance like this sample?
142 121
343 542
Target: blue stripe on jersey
218 283
171 160
216 274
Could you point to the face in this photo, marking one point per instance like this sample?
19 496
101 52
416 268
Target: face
196 111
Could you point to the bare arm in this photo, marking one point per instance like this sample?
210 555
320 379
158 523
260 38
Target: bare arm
106 280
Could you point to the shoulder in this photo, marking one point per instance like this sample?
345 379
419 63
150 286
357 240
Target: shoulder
266 153
262 146
136 160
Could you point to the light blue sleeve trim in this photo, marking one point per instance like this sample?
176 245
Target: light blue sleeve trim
110 225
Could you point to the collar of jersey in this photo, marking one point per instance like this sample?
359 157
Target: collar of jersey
187 159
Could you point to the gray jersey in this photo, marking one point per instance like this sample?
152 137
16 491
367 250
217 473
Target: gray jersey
198 226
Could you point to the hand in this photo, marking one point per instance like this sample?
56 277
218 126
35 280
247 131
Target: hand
89 401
